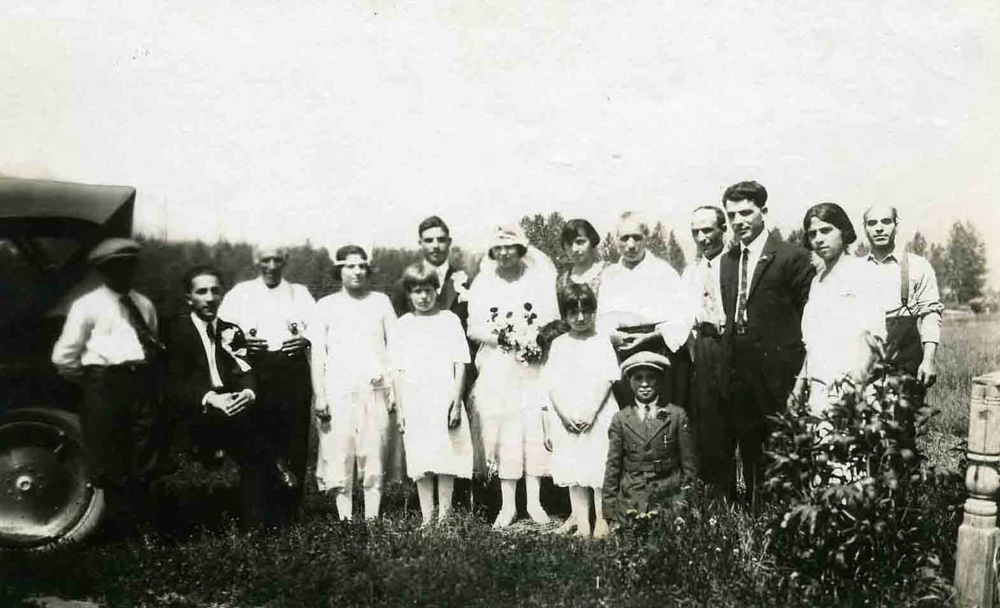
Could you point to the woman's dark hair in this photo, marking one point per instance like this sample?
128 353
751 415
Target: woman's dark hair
187 281
579 227
342 254
577 296
831 213
418 275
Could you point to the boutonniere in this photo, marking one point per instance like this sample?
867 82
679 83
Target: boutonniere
233 342
460 281
661 415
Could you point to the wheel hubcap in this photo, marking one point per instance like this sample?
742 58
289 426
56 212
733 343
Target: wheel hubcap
43 483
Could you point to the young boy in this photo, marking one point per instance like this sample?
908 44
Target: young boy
651 449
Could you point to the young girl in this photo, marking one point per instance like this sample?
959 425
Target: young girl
429 353
579 372
353 392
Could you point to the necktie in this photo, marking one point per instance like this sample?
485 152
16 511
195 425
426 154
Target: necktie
741 302
151 346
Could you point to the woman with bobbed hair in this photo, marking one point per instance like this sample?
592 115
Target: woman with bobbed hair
351 383
580 241
516 282
843 322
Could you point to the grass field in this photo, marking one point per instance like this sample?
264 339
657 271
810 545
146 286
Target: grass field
190 553
970 347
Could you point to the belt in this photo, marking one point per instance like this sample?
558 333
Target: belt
131 367
638 329
710 329
655 466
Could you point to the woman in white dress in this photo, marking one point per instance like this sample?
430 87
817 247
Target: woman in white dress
516 281
351 384
843 321
429 355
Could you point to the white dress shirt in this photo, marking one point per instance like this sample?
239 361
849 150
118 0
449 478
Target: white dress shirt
694 277
651 292
273 314
756 248
647 409
442 272
97 331
213 369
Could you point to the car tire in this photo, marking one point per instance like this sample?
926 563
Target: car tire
47 497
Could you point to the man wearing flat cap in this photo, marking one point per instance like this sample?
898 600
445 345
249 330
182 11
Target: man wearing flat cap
109 345
651 447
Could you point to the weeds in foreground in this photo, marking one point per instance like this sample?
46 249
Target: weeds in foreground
856 502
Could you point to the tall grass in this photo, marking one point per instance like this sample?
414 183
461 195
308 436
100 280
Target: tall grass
970 347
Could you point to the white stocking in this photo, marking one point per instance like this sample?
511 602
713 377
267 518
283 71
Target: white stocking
425 491
373 499
446 487
533 489
508 509
345 503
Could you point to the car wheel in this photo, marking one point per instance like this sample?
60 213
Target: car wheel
46 494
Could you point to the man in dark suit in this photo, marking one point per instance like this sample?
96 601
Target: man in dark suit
765 284
435 246
211 387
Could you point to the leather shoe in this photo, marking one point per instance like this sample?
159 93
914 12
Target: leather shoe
284 478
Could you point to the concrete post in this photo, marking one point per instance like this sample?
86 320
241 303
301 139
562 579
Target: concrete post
979 537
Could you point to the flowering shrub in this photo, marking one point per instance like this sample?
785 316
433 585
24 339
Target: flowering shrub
855 502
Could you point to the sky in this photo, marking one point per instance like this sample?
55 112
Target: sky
338 122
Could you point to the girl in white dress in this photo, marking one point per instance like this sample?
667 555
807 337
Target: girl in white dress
351 383
508 395
429 353
843 322
580 369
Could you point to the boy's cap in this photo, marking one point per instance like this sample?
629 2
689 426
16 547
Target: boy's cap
114 248
645 359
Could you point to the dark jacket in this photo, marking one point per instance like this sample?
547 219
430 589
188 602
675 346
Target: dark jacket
646 459
772 349
188 378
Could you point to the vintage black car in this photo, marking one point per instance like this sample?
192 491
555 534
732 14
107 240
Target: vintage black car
47 229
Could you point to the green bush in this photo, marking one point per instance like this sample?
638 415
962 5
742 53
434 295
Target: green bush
855 503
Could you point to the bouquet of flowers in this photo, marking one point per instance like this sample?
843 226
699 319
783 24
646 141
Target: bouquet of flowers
517 333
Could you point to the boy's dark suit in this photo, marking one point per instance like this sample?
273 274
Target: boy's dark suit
188 379
765 356
646 457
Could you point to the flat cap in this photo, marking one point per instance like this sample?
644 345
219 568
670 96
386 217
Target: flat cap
114 248
645 359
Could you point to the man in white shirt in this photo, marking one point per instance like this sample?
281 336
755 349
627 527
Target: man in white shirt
643 306
913 308
109 344
210 386
275 316
707 402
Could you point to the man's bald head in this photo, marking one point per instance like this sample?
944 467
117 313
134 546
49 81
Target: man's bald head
883 209
880 227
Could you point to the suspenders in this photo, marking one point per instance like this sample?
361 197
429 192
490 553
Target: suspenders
904 285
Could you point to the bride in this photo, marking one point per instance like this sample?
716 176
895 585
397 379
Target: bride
516 285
